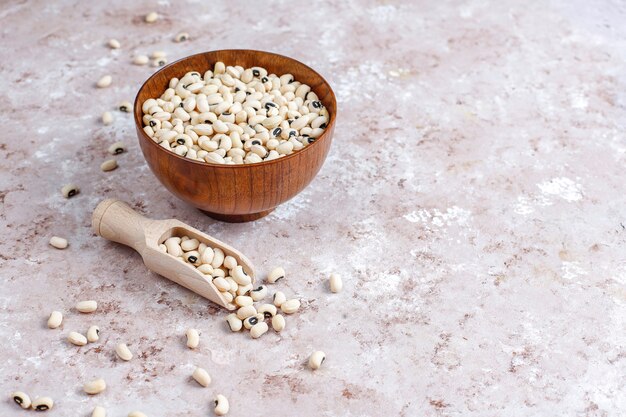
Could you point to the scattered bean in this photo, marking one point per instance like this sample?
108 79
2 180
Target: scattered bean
278 322
258 330
201 376
279 298
70 190
335 283
125 107
181 37
104 82
221 405
88 306
234 322
151 17
259 293
123 352
114 44
243 301
99 411
108 165
136 414
268 310
251 321
245 312
55 319
42 404
107 118
117 148
316 359
141 60
22 399
95 387
159 62
77 339
58 242
93 334
290 306
275 275
193 338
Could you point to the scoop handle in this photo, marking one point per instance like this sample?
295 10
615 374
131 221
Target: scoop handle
115 220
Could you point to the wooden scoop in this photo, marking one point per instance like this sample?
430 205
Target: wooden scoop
115 220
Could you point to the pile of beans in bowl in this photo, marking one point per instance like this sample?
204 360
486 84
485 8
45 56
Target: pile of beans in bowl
232 115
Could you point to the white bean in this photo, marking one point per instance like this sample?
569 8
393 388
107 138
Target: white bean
259 293
240 276
278 322
193 338
218 257
221 405
123 352
335 283
258 330
95 387
70 190
181 37
275 275
151 17
316 359
99 411
107 118
201 376
136 414
290 306
108 165
141 60
42 404
245 312
55 319
117 148
279 298
268 310
58 242
234 322
77 339
105 81
22 399
88 306
93 334
114 44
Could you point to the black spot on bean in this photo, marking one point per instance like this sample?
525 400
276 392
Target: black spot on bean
255 142
277 131
311 140
256 72
264 80
192 259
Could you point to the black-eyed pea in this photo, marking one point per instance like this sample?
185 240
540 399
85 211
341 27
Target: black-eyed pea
218 272
141 60
159 62
279 298
193 257
227 296
58 242
276 275
240 276
99 411
123 352
107 118
221 405
114 44
109 165
259 293
117 148
201 376
55 319
70 190
234 323
22 399
285 148
93 334
230 262
335 283
42 404
207 256
206 269
104 82
173 246
151 17
244 289
181 37
136 414
258 330
233 284
252 320
245 312
267 310
316 359
95 387
193 338
290 306
221 284
77 339
278 322
243 300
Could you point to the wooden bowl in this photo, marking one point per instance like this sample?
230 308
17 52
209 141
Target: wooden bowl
236 193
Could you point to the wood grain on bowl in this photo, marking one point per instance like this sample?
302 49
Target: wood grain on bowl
236 193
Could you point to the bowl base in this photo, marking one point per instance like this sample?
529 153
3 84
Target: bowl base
237 218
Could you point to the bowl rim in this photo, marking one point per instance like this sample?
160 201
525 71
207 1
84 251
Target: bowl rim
139 122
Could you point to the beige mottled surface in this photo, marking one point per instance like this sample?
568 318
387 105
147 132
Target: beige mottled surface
474 204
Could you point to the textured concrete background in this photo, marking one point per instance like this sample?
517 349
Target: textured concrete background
473 201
